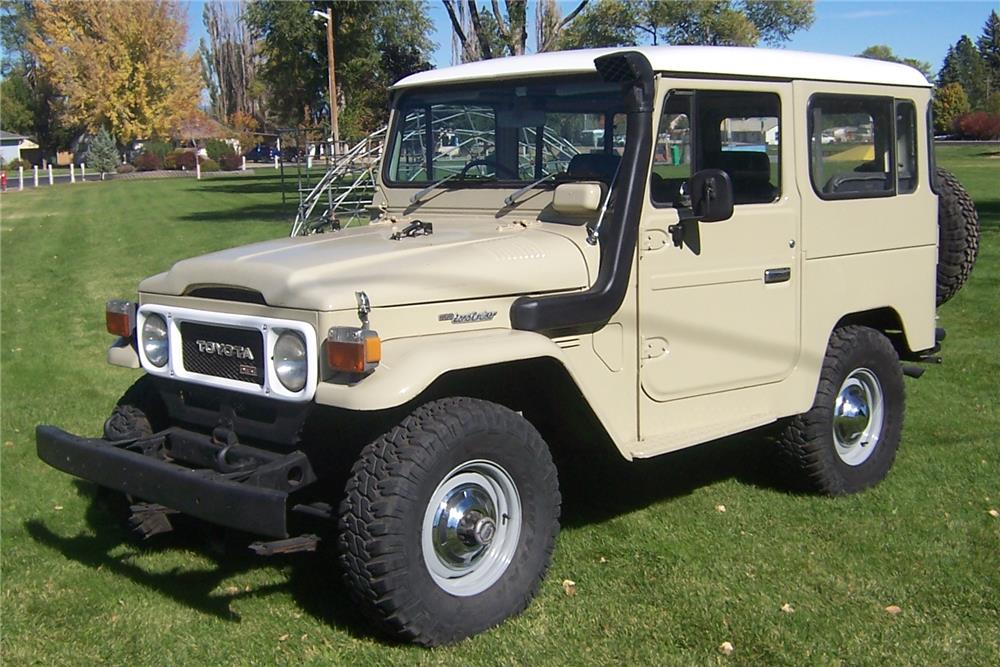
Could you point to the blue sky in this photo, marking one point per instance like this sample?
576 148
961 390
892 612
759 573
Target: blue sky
914 29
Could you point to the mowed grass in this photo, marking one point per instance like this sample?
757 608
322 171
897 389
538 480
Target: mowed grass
662 576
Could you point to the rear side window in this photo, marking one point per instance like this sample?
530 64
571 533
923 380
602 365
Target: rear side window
851 146
906 147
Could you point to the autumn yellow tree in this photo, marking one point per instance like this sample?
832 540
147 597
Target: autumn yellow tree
119 65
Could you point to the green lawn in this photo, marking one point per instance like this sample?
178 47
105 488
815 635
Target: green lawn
662 576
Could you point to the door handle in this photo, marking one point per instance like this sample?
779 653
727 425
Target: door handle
782 275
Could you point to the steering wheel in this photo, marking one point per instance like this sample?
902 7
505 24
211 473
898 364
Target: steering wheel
487 162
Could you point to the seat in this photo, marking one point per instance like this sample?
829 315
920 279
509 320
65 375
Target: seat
750 173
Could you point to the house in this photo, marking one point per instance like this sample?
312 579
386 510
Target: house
17 147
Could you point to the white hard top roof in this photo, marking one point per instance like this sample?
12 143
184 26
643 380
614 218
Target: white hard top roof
694 60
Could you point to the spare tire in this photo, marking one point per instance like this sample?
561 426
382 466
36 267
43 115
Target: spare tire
958 235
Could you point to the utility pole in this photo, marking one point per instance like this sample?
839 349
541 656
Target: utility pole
334 121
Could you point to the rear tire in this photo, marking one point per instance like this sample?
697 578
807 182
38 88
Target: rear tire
958 235
847 442
449 521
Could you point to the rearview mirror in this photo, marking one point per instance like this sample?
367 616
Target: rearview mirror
711 195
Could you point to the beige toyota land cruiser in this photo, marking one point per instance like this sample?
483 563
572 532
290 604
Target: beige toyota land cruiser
650 248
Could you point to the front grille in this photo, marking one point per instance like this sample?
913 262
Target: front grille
224 352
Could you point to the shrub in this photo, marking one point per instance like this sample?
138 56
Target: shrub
180 160
148 162
208 164
978 125
103 152
217 148
157 148
230 162
14 164
126 168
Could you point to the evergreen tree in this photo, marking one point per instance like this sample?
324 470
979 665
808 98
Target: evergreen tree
103 153
950 102
964 65
989 48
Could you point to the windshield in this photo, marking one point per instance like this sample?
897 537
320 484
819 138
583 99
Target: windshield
509 133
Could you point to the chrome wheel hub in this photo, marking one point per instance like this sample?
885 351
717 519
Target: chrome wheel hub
858 414
471 528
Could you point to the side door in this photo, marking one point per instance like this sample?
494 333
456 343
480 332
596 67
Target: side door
719 311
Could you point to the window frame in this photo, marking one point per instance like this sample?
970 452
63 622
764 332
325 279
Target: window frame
810 132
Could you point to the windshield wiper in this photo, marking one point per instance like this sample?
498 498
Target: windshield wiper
512 197
433 186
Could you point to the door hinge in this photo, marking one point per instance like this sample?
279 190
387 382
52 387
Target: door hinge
653 348
653 239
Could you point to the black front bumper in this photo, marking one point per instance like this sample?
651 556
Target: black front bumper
236 486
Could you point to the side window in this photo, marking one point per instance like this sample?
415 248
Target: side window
737 132
906 147
851 146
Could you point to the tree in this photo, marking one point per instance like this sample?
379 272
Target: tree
103 153
883 52
375 44
950 102
964 65
989 48
712 22
483 34
115 64
229 62
36 96
17 104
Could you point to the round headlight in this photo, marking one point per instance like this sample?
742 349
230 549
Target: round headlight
290 363
154 340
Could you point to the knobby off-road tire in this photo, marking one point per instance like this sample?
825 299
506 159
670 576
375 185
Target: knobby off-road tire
424 578
847 442
139 413
958 235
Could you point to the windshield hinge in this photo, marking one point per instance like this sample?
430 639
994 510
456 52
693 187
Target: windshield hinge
415 228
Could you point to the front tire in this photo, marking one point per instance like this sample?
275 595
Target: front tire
449 521
847 442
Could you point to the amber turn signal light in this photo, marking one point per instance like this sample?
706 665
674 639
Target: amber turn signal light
119 316
353 350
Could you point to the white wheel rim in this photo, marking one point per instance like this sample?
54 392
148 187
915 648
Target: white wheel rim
471 528
858 414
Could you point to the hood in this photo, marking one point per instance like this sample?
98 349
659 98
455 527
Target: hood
322 272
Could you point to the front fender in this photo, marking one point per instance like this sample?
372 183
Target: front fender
410 365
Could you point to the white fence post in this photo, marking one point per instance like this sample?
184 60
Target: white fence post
83 171
197 167
36 175
50 174
243 166
20 178
72 173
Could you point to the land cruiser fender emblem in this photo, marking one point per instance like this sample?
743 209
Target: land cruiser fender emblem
224 349
467 318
